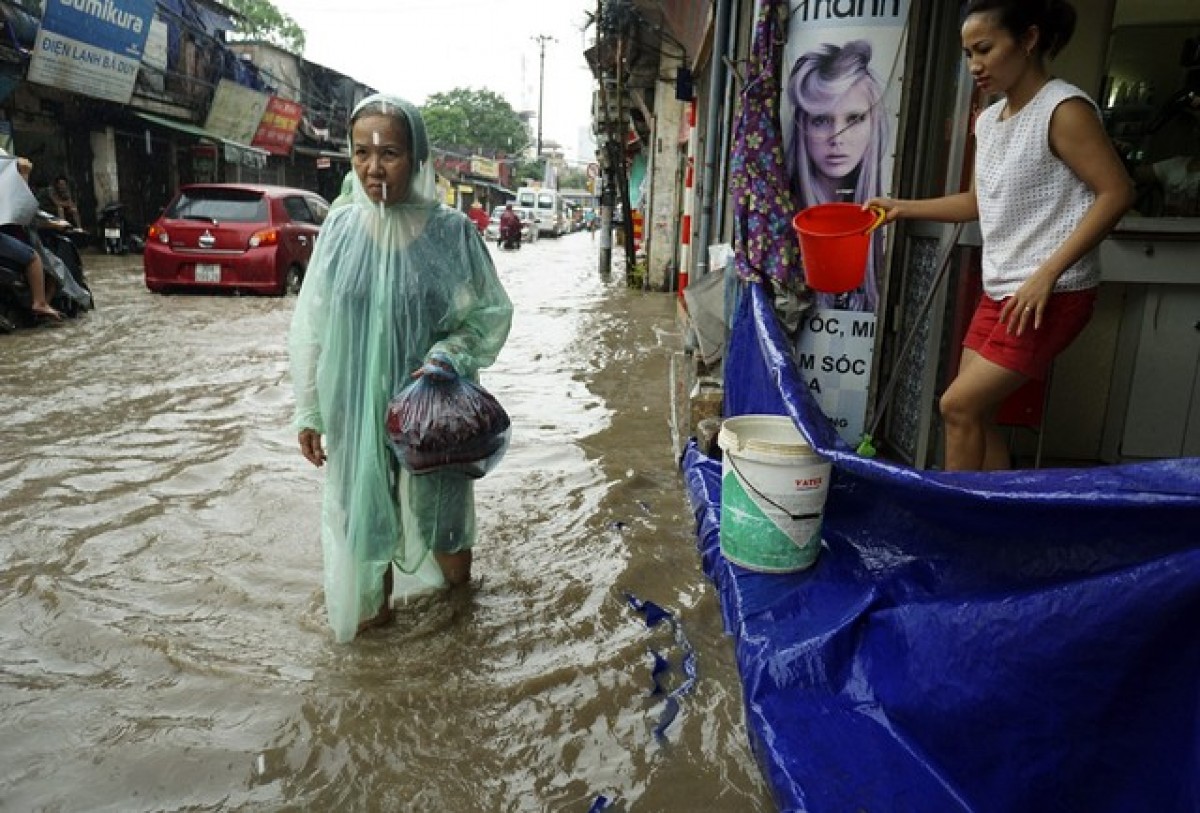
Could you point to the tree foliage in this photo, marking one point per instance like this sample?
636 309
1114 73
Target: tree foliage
262 21
572 178
468 119
531 169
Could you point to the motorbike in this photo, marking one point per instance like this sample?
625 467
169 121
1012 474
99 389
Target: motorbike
118 236
64 272
510 235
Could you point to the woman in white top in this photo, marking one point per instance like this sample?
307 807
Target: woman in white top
1048 186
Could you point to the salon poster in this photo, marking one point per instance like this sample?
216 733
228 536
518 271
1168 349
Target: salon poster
833 353
841 88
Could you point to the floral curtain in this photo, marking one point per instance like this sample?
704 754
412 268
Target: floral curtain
764 242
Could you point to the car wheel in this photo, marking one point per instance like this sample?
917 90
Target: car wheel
293 280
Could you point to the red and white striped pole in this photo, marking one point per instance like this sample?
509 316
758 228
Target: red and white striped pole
689 197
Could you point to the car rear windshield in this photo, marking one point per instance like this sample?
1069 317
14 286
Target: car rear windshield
220 206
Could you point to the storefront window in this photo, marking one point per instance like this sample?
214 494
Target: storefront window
1151 104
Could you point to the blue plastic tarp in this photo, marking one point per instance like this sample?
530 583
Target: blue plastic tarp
1004 641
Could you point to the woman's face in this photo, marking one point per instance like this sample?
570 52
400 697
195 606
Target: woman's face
382 157
995 58
837 137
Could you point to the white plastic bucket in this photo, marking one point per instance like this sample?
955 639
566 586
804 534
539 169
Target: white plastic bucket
773 488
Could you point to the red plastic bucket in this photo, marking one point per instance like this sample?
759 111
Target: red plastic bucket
835 243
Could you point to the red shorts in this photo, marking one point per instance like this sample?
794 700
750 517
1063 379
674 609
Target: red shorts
1031 353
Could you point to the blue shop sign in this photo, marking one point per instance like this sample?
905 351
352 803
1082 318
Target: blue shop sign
92 47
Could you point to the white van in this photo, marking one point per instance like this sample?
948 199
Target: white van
547 205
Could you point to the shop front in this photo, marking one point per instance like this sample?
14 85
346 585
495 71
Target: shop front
1129 387
977 640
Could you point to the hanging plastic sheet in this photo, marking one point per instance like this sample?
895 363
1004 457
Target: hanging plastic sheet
1004 641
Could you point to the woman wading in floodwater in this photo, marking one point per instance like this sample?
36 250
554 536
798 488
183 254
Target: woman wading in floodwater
397 281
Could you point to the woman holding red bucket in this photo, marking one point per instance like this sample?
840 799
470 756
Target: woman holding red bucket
837 146
1048 186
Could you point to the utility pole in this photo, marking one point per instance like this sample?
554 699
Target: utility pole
541 40
609 109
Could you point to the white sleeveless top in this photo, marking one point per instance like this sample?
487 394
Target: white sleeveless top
1029 200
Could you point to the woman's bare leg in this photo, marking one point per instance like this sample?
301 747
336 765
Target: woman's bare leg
968 406
35 275
456 567
384 616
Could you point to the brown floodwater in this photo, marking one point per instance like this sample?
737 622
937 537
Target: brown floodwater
162 636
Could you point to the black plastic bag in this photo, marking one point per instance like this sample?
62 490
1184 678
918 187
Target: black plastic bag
442 422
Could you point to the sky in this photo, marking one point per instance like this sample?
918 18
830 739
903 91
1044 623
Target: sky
414 48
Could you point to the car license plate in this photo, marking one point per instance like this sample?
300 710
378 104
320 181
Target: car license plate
112 234
208 272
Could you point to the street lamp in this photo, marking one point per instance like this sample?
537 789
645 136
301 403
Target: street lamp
541 40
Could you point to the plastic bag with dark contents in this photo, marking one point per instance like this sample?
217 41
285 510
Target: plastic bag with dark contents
443 422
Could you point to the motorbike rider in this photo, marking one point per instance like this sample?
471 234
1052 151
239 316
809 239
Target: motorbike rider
510 225
478 216
17 251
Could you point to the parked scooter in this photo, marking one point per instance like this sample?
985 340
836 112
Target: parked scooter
118 237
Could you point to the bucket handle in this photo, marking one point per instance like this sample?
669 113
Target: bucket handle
775 505
880 215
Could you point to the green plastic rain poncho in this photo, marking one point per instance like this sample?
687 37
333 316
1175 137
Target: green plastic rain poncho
387 287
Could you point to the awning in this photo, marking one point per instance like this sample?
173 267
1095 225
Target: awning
236 153
317 152
495 186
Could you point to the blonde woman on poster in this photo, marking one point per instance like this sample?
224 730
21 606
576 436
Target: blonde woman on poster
838 141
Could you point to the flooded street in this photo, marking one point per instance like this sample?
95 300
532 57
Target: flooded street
163 644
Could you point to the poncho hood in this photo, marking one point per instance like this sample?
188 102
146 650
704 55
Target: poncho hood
422 190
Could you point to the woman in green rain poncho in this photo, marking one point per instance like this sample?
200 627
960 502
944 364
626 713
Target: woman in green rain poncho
396 281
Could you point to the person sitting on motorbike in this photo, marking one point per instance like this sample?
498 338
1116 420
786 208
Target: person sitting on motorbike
21 253
510 225
63 203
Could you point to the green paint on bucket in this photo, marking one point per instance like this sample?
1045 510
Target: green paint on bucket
773 488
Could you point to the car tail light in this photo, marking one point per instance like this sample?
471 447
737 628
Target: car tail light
266 237
158 233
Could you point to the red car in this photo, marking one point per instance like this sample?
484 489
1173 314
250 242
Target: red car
243 237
